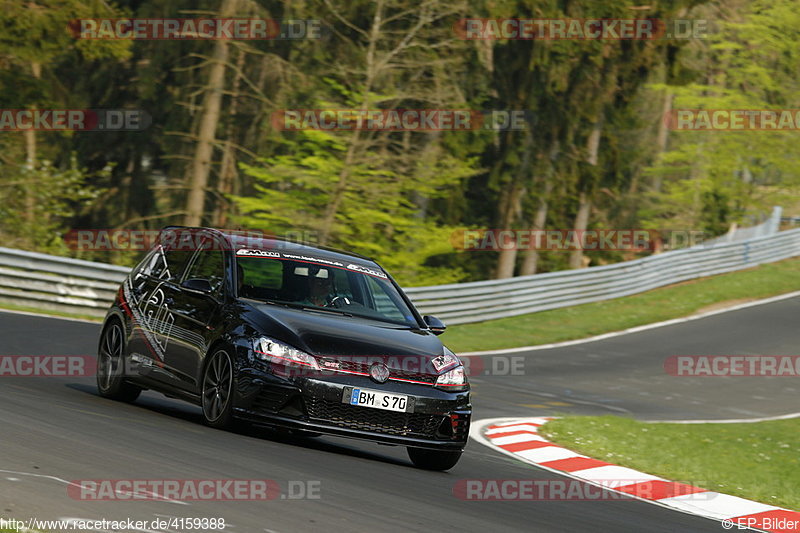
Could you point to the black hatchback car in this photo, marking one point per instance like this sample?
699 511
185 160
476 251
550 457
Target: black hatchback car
308 339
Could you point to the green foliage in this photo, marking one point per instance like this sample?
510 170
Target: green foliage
378 217
369 191
45 187
712 179
38 32
58 193
398 196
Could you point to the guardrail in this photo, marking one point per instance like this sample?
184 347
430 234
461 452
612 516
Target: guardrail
61 284
769 227
463 303
52 283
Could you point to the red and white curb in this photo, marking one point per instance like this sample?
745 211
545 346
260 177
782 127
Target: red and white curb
519 438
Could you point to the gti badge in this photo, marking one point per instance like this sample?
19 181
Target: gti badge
379 372
331 364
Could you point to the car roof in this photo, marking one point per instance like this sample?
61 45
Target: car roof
241 239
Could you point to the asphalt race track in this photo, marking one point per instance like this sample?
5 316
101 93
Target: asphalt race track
625 374
53 430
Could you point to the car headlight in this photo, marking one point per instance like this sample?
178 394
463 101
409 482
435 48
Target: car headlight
270 350
454 379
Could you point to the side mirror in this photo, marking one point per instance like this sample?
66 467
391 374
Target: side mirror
436 326
198 285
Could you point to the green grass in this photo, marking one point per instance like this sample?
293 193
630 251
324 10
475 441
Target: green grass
758 461
613 315
12 307
8 530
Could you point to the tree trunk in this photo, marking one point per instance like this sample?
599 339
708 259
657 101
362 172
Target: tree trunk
30 159
531 261
509 213
581 223
338 193
30 186
663 134
511 205
584 201
343 182
227 172
212 103
530 264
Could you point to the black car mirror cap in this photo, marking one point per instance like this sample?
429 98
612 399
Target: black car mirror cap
198 285
435 325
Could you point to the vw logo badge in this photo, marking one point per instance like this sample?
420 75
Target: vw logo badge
379 372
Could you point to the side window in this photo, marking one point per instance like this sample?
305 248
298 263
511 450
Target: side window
163 263
154 264
209 265
383 302
170 256
176 261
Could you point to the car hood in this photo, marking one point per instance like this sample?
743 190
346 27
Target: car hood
330 335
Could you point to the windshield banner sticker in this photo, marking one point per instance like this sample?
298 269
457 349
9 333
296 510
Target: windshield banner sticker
246 252
366 270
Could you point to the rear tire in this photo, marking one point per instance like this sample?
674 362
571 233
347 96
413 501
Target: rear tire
217 393
111 364
433 459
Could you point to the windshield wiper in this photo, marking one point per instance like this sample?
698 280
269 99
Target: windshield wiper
328 310
306 307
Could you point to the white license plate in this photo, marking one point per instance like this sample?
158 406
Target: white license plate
379 400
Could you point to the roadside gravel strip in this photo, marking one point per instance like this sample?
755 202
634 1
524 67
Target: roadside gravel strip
520 439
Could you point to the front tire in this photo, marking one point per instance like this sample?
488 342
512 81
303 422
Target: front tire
217 394
433 459
110 366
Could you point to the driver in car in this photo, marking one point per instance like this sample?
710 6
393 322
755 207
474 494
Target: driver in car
320 288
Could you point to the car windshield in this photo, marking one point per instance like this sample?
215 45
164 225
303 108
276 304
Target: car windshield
316 283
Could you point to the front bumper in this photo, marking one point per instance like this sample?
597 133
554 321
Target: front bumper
439 419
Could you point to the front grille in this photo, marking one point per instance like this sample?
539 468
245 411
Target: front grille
364 418
414 376
356 366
